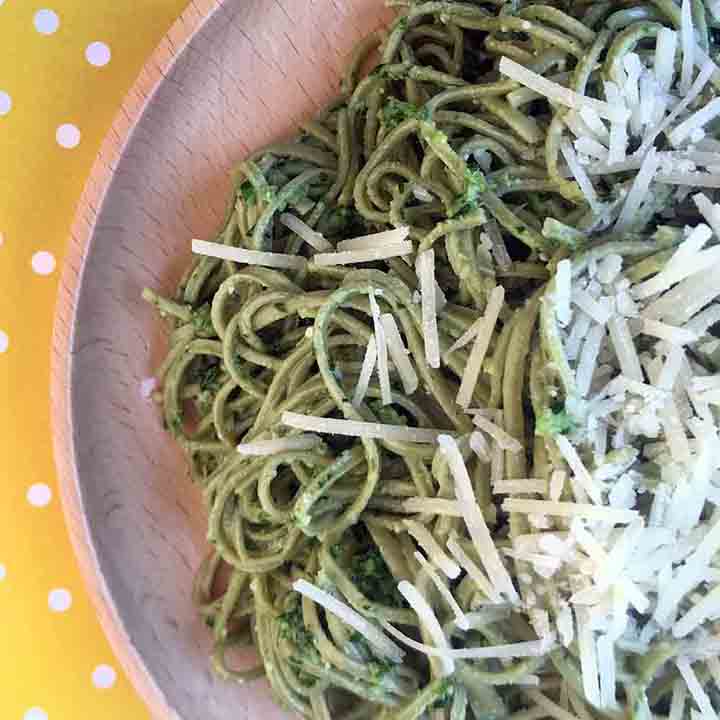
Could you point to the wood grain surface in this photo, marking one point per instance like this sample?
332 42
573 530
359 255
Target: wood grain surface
230 76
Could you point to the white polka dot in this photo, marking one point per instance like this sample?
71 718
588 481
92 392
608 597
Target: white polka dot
43 263
5 103
104 677
2 239
3 572
68 136
4 342
98 54
46 21
35 713
59 600
39 495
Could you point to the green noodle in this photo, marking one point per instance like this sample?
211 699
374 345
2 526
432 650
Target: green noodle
249 343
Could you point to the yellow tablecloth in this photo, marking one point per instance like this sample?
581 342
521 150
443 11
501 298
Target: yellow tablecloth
65 66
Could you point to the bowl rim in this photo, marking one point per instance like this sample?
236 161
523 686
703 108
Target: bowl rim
152 74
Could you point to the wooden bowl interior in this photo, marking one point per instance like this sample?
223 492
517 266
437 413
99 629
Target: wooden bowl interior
250 74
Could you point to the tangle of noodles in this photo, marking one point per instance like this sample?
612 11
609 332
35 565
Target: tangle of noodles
479 461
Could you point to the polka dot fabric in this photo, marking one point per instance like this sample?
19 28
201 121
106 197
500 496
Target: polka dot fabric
65 67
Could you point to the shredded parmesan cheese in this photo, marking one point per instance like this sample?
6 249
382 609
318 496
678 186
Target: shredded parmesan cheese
687 39
480 347
382 350
350 257
425 268
399 354
475 573
428 619
376 241
558 93
249 257
313 238
460 619
370 632
474 518
639 190
568 509
434 506
366 371
431 547
355 428
272 447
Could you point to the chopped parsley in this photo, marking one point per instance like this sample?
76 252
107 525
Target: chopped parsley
201 320
209 378
248 192
445 695
555 421
292 629
469 200
377 667
372 577
395 112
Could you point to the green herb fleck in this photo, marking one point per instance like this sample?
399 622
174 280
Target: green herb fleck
248 192
372 577
209 378
555 421
201 320
377 667
445 695
292 629
395 112
469 199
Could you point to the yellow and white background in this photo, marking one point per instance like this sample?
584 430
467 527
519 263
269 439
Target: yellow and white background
65 66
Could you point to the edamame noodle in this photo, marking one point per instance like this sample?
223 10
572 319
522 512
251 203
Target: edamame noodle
547 548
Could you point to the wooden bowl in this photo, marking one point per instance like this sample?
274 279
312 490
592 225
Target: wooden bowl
230 76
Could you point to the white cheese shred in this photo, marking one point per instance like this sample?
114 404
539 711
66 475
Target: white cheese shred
588 657
272 447
351 257
504 440
430 622
475 573
480 347
705 609
558 93
366 371
385 646
248 257
399 354
529 648
638 191
568 509
432 549
563 292
382 351
581 176
376 241
432 506
356 428
313 238
665 58
425 268
624 346
460 620
582 474
696 121
687 39
696 690
474 519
